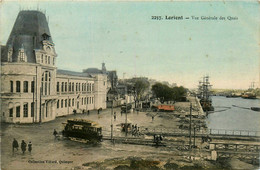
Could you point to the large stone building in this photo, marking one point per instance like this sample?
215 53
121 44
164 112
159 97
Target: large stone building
32 88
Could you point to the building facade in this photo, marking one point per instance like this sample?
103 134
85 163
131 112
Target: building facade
32 88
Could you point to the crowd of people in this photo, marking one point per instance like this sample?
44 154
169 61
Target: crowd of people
23 146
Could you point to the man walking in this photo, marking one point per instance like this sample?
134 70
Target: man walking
55 133
15 145
23 146
114 115
30 146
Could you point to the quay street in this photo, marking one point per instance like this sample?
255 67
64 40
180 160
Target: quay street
49 152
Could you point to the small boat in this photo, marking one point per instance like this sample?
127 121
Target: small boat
249 95
233 95
255 109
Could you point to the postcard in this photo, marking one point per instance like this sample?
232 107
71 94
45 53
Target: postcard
130 85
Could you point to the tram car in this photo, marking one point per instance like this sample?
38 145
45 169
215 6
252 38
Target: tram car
82 130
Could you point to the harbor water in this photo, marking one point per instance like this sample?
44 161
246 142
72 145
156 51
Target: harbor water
234 114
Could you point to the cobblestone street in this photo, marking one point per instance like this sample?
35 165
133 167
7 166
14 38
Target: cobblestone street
46 147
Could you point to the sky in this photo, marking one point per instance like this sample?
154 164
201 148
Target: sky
128 40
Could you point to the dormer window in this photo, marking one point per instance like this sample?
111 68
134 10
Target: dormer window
22 56
9 55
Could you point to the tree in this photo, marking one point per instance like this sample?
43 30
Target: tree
141 86
166 93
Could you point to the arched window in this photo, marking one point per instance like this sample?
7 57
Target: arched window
46 83
25 86
61 104
11 86
58 104
65 86
72 86
18 86
11 109
72 102
49 83
69 86
25 110
58 86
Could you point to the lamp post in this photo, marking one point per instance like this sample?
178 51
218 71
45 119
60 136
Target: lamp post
194 136
112 110
126 127
190 126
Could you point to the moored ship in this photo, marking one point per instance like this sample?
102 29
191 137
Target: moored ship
204 94
249 95
233 95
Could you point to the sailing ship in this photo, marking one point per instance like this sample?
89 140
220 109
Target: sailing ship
204 94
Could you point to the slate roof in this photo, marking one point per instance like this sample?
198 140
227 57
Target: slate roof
93 71
27 33
73 73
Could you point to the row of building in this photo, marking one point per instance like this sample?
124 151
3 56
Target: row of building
33 89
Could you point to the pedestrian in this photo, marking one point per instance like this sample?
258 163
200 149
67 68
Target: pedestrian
55 133
114 115
88 112
152 118
135 126
30 146
15 145
160 137
23 146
